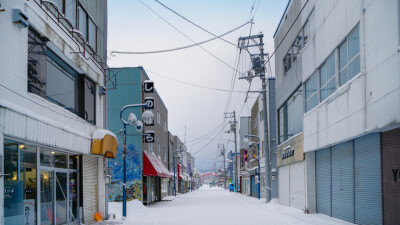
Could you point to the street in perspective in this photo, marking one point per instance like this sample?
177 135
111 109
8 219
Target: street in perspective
206 112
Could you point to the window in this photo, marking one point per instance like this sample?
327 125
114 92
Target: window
165 155
349 56
311 95
255 122
90 101
165 125
52 78
298 44
151 147
291 116
87 27
327 78
158 117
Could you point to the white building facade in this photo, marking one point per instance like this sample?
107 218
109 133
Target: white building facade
341 58
52 57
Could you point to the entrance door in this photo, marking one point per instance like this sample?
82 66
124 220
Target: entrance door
53 194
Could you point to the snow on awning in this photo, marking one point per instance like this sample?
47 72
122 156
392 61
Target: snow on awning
104 143
153 166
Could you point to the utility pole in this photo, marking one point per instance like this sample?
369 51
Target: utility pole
233 129
223 154
259 69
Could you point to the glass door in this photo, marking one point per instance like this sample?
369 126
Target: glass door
46 197
61 197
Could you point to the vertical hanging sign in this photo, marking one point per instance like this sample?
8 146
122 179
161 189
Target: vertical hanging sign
148 86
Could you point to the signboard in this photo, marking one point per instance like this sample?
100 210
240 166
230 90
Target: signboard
148 86
149 137
149 101
189 166
287 152
29 212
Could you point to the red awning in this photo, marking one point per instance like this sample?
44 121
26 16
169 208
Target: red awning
179 174
153 166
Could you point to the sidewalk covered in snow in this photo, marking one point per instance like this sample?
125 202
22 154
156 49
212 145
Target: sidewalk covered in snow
215 206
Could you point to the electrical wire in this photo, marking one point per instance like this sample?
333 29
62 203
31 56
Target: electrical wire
216 57
191 84
193 22
182 47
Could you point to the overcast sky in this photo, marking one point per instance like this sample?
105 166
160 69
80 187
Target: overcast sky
134 27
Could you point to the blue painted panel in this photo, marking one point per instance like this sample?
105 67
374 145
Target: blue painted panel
368 193
343 182
128 91
323 181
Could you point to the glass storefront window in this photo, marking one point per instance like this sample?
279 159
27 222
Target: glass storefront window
20 184
51 158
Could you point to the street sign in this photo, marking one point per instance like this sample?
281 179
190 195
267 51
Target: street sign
148 86
149 101
149 136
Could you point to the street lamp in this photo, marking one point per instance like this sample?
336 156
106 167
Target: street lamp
132 120
173 155
247 141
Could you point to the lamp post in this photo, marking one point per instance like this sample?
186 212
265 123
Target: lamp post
246 140
132 120
180 150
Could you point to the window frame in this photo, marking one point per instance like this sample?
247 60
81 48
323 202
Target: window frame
88 19
316 92
328 80
349 61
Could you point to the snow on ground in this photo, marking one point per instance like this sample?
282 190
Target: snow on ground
215 206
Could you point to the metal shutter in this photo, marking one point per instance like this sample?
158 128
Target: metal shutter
284 185
343 182
323 181
254 187
90 171
297 190
368 193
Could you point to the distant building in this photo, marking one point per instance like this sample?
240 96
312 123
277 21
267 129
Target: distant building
338 94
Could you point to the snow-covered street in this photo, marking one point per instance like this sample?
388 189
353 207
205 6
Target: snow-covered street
211 206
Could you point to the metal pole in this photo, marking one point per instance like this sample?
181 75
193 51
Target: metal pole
124 183
259 170
223 149
174 174
236 166
266 140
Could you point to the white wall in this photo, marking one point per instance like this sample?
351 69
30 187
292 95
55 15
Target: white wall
370 100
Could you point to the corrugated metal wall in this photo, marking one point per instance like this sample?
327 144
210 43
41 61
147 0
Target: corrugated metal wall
90 171
343 182
368 193
45 132
323 181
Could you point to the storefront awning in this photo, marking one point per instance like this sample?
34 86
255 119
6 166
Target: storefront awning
104 143
153 166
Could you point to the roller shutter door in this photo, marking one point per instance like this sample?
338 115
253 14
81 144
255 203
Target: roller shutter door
297 191
343 182
284 185
90 171
323 181
368 193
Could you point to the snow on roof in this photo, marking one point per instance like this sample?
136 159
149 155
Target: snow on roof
148 81
29 113
100 133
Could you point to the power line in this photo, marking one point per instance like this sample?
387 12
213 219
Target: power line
216 57
191 84
193 22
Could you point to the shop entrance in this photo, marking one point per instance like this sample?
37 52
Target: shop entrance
40 185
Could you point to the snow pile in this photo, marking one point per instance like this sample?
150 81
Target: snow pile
134 209
100 133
